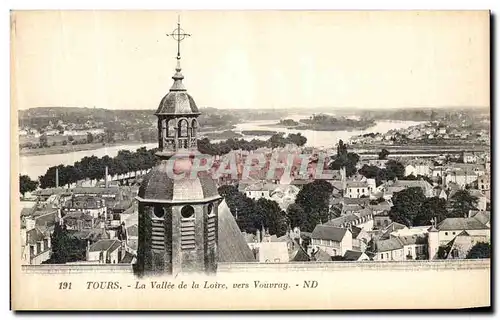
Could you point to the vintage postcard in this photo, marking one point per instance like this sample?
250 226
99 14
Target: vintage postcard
250 160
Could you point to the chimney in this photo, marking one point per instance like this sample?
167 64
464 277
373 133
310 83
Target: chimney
106 177
57 177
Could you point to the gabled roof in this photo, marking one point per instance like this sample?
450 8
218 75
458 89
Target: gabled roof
461 224
326 232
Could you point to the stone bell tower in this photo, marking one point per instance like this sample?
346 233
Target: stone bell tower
178 218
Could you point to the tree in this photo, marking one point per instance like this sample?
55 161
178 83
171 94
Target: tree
296 215
406 205
44 140
71 139
431 208
349 160
297 139
461 203
314 198
394 170
383 154
90 137
65 142
480 250
65 248
270 215
110 135
26 184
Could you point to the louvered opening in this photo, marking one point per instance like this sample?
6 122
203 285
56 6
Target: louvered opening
157 235
188 240
211 231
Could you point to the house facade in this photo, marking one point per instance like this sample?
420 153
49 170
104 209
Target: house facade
334 241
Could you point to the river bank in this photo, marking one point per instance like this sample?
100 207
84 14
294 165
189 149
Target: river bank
36 165
53 150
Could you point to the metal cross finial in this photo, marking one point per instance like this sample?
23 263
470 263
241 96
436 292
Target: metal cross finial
179 35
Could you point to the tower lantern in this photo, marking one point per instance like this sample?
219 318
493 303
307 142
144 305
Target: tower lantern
178 218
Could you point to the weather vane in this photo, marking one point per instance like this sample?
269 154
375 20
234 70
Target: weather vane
178 34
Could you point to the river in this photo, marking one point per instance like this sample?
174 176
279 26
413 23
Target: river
35 166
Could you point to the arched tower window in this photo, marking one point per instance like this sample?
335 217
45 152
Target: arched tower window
171 128
183 127
194 128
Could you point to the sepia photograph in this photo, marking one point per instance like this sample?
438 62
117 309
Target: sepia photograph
250 160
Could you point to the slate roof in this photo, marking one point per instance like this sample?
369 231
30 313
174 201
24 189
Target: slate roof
127 258
232 245
158 186
261 186
327 232
96 190
270 252
90 234
105 245
351 255
355 231
337 222
321 255
356 184
177 102
48 219
412 240
461 224
482 216
34 235
388 245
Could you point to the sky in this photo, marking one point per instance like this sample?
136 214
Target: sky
245 60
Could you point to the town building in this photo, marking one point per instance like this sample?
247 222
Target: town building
333 240
356 189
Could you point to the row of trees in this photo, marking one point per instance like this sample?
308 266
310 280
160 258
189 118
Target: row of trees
94 167
412 208
142 159
277 140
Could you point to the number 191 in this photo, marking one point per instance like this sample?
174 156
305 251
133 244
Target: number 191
64 285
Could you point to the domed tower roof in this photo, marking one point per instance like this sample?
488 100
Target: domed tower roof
177 101
160 186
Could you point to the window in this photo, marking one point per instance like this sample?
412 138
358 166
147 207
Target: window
453 233
446 233
262 193
382 256
210 209
158 211
187 212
